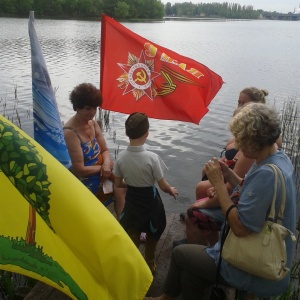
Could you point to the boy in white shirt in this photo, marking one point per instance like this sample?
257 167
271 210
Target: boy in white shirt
137 170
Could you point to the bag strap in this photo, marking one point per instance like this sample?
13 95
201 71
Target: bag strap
283 199
283 195
271 216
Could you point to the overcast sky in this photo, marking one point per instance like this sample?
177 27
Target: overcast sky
282 6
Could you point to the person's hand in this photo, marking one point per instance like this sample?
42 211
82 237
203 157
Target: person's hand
211 192
222 159
173 192
214 172
225 170
105 170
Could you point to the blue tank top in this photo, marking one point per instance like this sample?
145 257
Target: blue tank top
90 150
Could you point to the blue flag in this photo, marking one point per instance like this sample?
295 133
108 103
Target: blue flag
48 130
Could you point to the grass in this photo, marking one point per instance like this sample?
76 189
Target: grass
14 286
13 113
291 145
291 135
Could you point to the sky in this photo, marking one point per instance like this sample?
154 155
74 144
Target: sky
281 6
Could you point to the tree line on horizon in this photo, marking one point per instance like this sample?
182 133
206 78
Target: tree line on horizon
124 9
219 10
84 9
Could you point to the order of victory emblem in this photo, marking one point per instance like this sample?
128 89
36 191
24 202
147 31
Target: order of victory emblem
138 77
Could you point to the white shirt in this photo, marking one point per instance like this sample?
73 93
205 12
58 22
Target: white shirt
139 167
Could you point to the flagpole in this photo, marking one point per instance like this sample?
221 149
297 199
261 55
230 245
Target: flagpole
102 50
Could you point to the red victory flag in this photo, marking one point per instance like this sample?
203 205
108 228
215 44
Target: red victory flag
139 75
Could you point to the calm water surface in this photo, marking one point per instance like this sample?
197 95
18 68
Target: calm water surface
245 53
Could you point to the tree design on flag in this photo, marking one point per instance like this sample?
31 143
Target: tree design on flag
21 163
23 166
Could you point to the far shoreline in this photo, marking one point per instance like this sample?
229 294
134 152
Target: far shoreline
164 19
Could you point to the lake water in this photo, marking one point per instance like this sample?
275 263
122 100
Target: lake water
264 54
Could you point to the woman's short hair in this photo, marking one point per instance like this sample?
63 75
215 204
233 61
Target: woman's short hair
85 94
255 126
255 94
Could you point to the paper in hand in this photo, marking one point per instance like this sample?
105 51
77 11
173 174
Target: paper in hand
107 186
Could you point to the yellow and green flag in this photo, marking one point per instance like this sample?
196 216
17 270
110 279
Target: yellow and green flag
54 229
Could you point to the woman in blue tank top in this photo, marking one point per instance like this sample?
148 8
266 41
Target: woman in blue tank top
89 154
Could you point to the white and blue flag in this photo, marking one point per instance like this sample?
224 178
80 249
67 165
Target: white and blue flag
48 131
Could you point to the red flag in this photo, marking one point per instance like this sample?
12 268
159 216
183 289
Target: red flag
139 75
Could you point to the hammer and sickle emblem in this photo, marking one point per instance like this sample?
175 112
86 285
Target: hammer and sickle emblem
141 76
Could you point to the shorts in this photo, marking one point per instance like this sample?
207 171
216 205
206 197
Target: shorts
208 220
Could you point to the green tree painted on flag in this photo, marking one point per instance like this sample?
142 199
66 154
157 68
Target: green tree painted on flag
22 164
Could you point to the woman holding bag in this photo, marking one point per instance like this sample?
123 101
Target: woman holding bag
193 268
